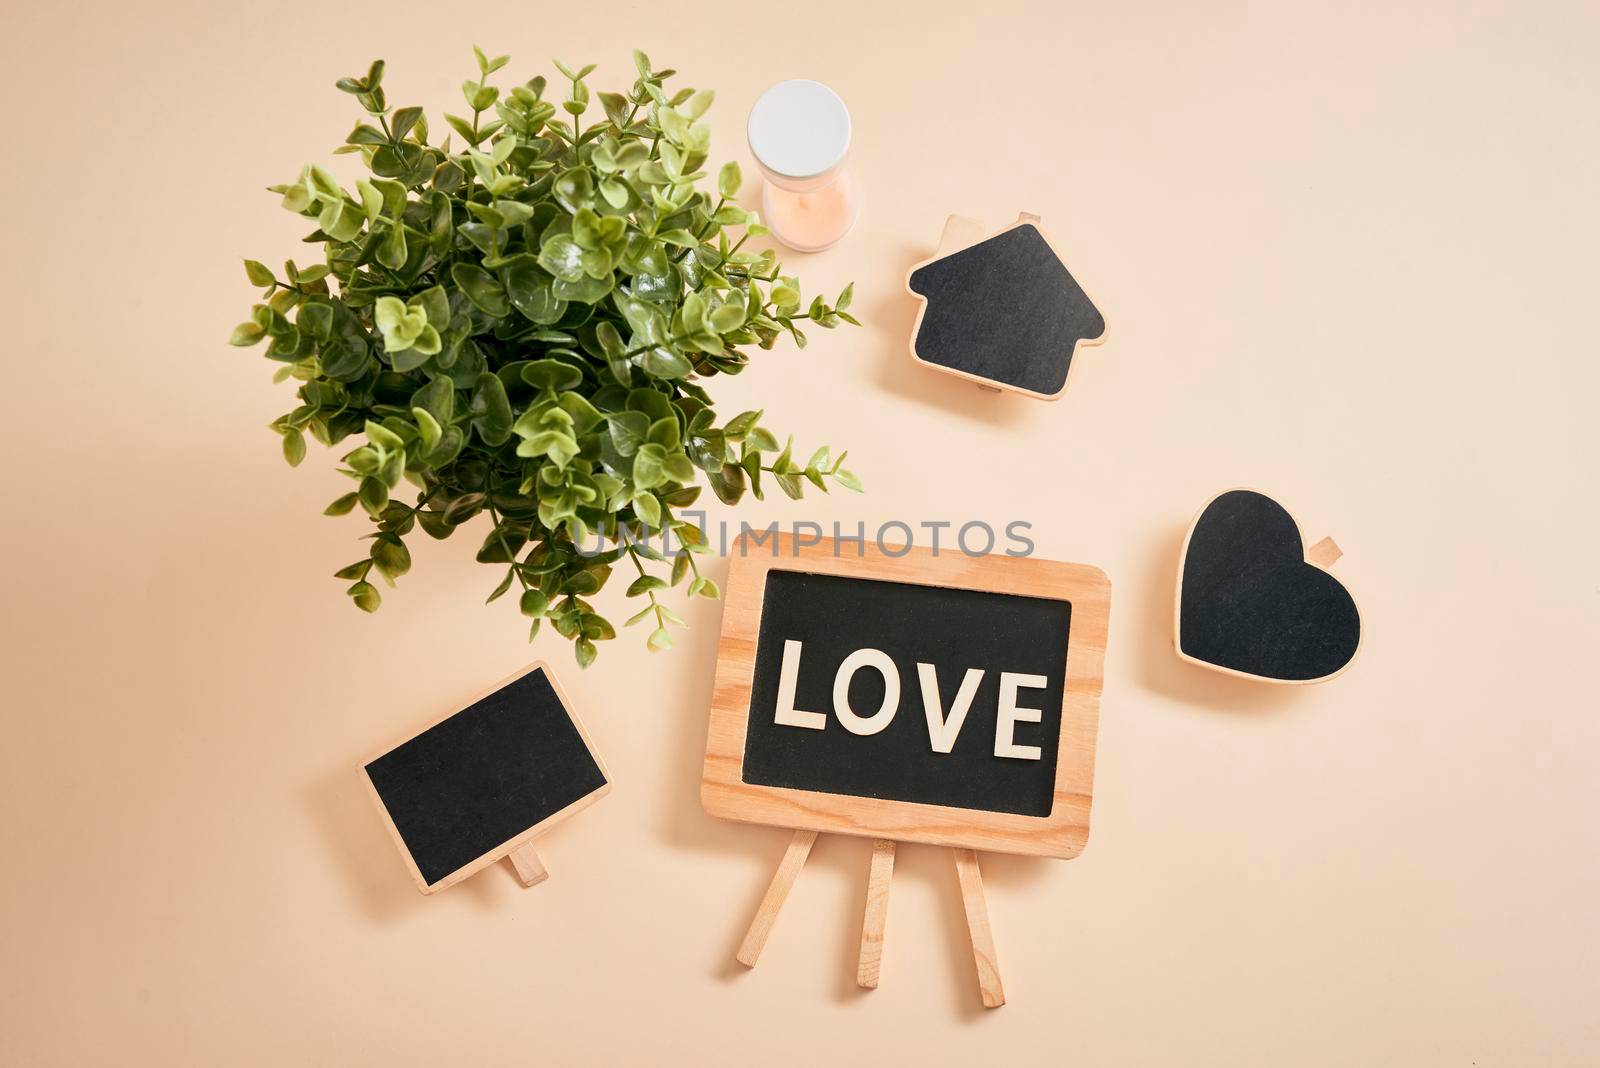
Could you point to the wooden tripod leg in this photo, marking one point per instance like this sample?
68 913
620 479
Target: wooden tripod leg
794 858
977 910
877 915
529 867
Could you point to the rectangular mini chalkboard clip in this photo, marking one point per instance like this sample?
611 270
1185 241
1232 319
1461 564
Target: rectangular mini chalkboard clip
487 781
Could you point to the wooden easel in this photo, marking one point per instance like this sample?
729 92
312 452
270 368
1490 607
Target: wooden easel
958 820
875 920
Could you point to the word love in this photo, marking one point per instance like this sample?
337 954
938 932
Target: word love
943 727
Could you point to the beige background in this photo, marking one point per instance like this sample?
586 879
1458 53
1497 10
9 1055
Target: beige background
1347 257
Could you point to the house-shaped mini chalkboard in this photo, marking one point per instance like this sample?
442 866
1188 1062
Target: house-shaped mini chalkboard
1003 311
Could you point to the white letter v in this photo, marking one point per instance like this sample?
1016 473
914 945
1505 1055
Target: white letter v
942 729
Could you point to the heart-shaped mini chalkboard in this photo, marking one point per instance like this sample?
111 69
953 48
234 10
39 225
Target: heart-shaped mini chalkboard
1249 602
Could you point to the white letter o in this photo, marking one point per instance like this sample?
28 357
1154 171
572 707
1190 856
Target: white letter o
873 658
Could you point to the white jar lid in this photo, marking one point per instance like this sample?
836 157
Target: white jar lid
799 129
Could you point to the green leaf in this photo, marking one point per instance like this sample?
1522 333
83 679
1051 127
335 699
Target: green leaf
382 436
616 353
505 584
847 480
341 505
391 556
258 273
562 256
681 238
648 466
628 431
616 193
482 289
659 640
429 428
647 507
644 584
246 334
490 409
529 291
463 508
742 424
365 595
551 374
727 318
534 603
374 495
403 120
729 179
585 652
438 397
294 447
588 290
678 468
585 416
664 432
464 128
665 364
694 313
435 304
785 297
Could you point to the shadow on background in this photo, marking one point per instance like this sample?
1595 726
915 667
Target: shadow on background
358 843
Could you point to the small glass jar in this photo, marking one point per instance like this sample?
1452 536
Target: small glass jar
799 134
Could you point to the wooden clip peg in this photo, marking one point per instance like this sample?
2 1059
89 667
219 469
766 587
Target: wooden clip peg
977 910
1324 553
529 867
794 858
877 914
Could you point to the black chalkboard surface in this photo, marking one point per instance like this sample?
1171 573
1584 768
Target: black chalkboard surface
1005 311
1250 603
473 786
953 630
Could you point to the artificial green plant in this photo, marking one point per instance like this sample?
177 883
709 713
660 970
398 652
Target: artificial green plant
521 326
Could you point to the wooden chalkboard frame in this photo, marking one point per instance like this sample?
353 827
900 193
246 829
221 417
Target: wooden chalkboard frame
516 848
1322 555
1062 834
962 232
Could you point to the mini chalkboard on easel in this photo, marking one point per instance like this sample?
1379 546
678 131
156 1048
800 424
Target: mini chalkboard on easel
1254 601
485 782
918 697
1003 310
